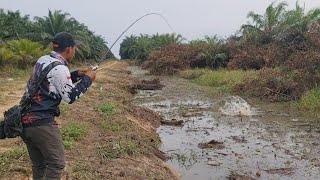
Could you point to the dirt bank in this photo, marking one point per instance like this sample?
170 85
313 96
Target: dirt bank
119 141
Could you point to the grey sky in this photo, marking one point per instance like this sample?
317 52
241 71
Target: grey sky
191 18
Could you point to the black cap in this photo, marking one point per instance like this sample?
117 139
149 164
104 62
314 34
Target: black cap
63 40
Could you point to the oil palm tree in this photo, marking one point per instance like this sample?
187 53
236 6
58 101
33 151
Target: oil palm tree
267 22
298 18
14 25
92 46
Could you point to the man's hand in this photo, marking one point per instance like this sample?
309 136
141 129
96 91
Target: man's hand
91 74
82 73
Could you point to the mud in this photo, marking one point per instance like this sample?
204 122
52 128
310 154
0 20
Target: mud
153 84
258 143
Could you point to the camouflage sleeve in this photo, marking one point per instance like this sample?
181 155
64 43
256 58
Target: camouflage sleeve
74 76
61 79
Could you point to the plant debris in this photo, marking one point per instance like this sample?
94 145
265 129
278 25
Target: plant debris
173 122
213 144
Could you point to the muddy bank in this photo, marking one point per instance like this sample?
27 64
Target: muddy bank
239 142
119 142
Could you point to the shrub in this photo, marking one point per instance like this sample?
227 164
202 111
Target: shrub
21 53
173 58
274 85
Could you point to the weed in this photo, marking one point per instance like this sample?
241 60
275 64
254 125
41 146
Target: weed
119 147
80 167
310 102
185 159
71 133
111 126
107 108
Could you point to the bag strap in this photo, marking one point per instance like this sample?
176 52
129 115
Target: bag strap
27 101
45 72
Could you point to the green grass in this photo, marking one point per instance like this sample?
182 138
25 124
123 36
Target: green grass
71 133
111 126
107 108
64 108
122 146
12 157
310 102
193 73
126 141
222 80
14 72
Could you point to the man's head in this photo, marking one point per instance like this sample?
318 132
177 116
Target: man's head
64 44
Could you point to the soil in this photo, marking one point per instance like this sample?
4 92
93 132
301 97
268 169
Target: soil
84 159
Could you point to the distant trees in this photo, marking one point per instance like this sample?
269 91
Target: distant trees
139 47
21 53
15 26
277 20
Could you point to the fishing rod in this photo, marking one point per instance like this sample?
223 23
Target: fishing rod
95 68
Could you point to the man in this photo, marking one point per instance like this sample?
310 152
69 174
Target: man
40 132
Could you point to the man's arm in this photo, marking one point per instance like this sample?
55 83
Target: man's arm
62 81
75 76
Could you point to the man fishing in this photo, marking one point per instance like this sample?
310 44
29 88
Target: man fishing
40 131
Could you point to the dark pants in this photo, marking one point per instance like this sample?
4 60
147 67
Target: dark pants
46 151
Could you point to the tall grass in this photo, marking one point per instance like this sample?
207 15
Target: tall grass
310 102
222 79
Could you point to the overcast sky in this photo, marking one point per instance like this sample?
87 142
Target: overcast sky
191 18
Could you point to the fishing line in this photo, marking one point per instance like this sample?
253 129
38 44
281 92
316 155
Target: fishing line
128 28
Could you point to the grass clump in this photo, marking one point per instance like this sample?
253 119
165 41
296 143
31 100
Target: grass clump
71 133
111 126
310 102
119 147
107 108
83 170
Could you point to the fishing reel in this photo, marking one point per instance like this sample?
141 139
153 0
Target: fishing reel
93 68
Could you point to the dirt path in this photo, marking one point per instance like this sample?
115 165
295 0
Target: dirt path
120 140
268 144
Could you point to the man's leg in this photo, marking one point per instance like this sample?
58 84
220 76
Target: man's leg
53 152
38 161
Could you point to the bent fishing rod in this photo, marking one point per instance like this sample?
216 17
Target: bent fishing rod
95 68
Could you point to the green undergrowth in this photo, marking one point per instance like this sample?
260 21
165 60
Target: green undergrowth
221 80
107 108
310 102
13 156
72 133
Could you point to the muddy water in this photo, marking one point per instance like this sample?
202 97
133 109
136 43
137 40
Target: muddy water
266 144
